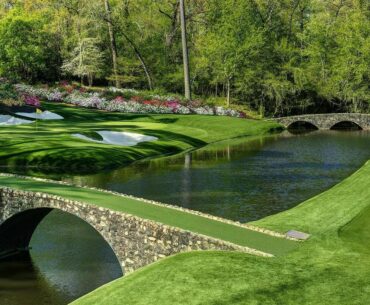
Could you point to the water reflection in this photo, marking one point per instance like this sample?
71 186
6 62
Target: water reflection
68 259
244 179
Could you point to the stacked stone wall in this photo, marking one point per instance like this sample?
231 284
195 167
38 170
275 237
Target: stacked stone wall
136 242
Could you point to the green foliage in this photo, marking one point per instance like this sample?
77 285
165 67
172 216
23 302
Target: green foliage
277 57
7 91
27 50
86 60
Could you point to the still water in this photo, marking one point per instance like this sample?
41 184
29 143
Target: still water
242 180
68 259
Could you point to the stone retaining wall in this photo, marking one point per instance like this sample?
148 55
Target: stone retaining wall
135 241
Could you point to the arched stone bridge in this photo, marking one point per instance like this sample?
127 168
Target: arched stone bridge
327 121
135 241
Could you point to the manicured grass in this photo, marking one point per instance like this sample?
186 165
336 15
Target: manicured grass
332 268
234 234
48 146
329 211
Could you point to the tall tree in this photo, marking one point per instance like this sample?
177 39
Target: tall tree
185 50
113 44
86 61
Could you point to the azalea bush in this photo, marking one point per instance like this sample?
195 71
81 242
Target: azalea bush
7 91
120 100
10 102
31 100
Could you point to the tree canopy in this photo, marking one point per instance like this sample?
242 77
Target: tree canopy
275 56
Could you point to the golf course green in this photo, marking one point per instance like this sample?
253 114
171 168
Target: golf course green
332 267
49 146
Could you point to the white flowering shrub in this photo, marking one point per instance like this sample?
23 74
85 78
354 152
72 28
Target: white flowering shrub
133 103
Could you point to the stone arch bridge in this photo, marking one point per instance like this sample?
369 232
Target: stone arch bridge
327 121
135 241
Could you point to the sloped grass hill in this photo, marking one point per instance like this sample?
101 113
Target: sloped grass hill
332 268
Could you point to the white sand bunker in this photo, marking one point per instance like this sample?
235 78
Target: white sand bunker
8 120
118 138
46 115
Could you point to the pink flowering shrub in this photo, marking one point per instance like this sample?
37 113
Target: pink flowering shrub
120 100
31 100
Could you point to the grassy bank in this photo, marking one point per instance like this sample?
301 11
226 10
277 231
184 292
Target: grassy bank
333 267
47 146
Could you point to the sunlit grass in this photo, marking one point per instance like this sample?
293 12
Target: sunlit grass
48 146
332 268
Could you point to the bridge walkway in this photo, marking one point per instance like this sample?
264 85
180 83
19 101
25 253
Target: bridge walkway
174 217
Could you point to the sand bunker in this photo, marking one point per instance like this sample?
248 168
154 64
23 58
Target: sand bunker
118 138
8 120
46 115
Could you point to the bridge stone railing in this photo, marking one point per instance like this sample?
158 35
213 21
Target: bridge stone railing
136 242
327 121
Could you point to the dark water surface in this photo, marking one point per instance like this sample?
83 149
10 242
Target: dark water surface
69 259
242 180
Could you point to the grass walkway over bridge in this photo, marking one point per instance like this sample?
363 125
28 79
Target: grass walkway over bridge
166 215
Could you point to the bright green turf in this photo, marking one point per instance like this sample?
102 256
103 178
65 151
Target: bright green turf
172 217
332 268
48 147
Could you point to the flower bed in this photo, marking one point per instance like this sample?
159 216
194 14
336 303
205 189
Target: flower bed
120 100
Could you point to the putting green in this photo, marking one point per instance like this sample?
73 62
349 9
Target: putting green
47 147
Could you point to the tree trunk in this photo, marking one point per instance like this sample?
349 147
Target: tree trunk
113 44
228 101
185 50
90 79
142 61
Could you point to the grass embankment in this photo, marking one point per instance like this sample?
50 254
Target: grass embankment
333 267
48 146
172 217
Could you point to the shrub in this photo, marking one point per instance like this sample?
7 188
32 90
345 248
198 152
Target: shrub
9 102
31 100
28 51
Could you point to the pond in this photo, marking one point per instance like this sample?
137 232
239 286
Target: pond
243 179
68 259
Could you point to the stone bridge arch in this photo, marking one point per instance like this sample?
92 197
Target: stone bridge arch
18 229
135 241
327 121
303 124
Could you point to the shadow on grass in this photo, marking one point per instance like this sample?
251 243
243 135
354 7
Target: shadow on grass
76 114
72 156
